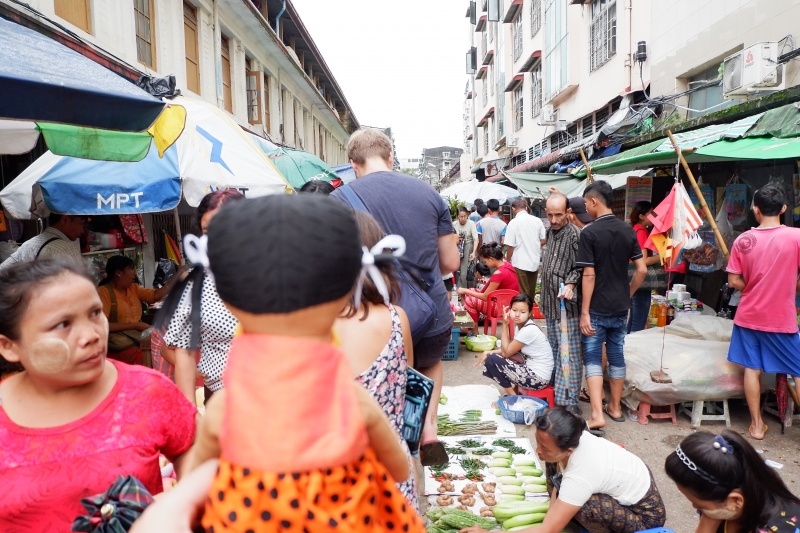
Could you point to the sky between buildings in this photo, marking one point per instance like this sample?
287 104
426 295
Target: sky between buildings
400 63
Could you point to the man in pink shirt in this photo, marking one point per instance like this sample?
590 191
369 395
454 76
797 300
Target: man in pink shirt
764 265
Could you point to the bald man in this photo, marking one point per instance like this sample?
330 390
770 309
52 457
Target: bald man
558 266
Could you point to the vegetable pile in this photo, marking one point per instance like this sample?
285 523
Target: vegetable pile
469 425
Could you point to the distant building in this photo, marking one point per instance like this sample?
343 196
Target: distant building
436 163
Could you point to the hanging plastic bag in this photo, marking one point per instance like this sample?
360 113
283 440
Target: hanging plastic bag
164 271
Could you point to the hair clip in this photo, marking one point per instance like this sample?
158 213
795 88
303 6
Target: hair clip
397 245
721 444
694 468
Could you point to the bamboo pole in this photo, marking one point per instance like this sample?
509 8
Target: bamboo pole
588 168
703 204
178 234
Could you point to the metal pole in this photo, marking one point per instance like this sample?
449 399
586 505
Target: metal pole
703 204
178 233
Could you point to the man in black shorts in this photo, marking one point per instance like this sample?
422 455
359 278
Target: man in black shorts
409 207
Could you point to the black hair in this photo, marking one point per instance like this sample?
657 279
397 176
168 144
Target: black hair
764 493
478 201
519 203
214 200
115 264
563 427
602 191
483 269
493 205
317 186
474 208
522 297
18 283
769 200
492 250
463 209
640 208
483 210
53 219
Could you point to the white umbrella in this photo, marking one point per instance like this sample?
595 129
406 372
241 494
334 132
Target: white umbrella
468 191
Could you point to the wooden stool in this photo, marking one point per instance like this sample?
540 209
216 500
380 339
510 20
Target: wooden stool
664 411
771 407
698 416
547 394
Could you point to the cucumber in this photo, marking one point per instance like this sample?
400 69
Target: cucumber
523 520
511 498
533 480
509 480
500 472
535 488
512 489
502 463
502 455
524 461
508 509
518 528
529 471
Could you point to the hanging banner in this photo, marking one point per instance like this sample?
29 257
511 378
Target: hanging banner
637 190
736 203
708 194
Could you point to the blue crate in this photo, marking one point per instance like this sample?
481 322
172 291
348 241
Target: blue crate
451 354
518 417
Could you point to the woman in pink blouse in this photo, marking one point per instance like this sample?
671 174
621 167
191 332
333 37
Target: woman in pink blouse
73 421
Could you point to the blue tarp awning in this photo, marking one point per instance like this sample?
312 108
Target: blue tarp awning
345 172
43 80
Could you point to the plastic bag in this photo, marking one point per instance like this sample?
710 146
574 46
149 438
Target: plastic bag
7 248
159 87
164 271
528 407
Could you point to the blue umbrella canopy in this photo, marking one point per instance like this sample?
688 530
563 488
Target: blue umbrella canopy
43 80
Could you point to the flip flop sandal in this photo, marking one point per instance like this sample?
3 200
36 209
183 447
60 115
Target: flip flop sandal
614 418
750 432
597 432
433 454
584 397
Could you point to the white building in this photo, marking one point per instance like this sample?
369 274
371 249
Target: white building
548 74
253 58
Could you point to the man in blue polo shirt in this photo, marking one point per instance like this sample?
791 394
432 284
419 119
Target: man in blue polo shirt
604 250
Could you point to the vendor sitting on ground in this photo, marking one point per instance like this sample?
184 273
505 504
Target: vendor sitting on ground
600 485
122 304
731 487
476 303
525 358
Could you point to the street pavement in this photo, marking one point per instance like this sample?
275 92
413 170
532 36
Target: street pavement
655 441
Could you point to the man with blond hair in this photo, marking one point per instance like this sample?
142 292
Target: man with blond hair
409 207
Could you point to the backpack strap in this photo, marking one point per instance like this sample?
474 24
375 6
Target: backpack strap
112 316
353 199
48 241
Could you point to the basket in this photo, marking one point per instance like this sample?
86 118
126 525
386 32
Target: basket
451 354
480 346
518 417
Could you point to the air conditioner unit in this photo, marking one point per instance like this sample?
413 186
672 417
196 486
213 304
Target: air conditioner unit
561 125
548 114
512 142
753 69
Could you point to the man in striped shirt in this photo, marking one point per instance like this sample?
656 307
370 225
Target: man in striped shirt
558 266
59 239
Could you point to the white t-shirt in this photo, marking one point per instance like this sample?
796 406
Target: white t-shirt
537 351
598 466
525 233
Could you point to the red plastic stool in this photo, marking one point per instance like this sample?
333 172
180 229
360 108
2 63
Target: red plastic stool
547 394
654 412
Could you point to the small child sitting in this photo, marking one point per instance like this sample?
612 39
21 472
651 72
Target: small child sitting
302 446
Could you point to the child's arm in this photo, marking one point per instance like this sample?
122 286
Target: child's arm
382 437
206 443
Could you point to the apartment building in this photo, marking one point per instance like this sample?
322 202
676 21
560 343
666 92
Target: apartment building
545 75
691 39
253 58
436 164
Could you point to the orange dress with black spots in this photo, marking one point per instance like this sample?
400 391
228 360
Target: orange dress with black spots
295 456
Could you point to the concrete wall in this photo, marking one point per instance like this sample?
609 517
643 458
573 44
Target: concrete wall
692 35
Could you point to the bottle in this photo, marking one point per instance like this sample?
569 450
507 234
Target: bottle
652 320
670 314
454 297
662 315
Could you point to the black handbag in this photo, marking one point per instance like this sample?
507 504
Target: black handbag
471 271
419 390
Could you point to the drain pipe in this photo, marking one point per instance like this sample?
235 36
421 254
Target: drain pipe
278 21
218 55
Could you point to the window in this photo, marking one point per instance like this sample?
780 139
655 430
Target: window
191 47
600 118
76 12
483 45
516 30
485 93
485 141
708 99
536 17
556 53
536 91
518 108
491 80
499 72
254 80
603 33
267 119
491 131
586 127
445 155
145 34
226 75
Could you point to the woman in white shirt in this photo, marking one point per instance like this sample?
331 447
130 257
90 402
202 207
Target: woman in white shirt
600 485
525 358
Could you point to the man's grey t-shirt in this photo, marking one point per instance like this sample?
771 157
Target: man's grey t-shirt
491 229
411 208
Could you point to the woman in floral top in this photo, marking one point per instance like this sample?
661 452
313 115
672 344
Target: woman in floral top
375 327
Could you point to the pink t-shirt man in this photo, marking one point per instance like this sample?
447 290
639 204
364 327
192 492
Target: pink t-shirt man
769 260
44 472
